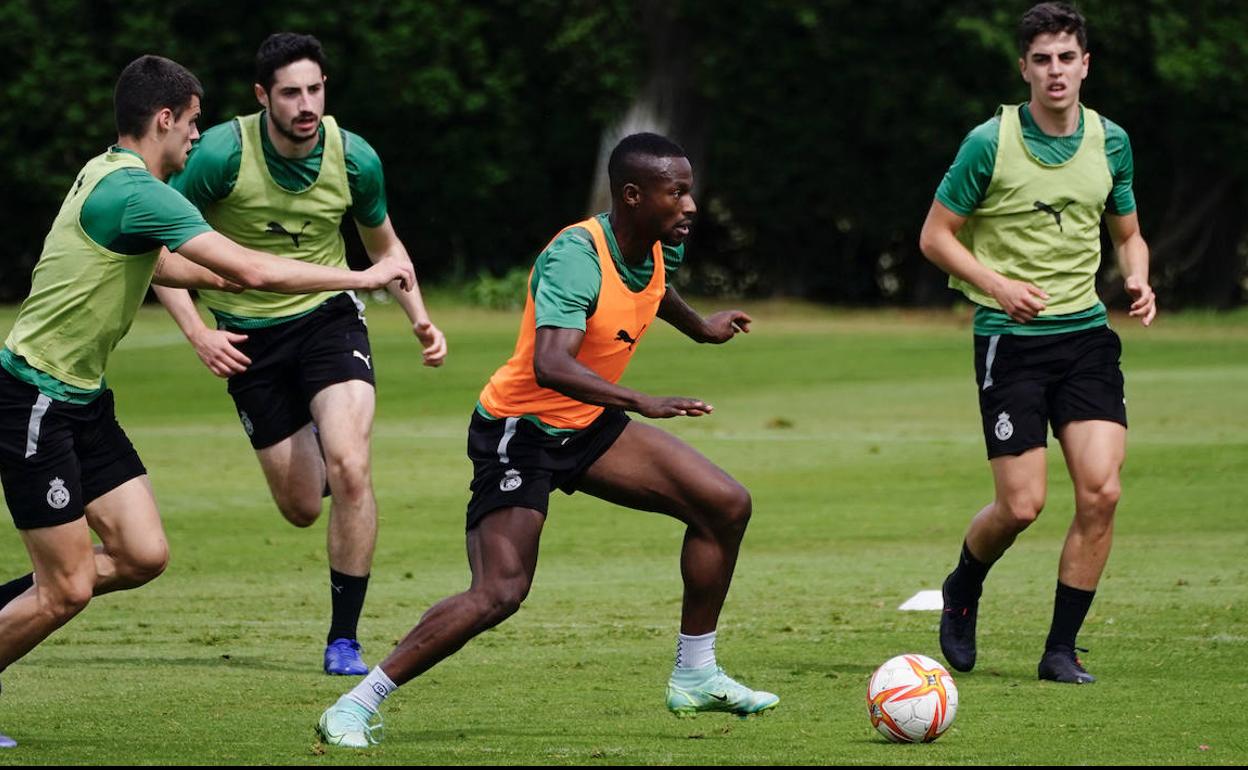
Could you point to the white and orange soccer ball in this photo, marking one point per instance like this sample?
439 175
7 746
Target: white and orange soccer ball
911 699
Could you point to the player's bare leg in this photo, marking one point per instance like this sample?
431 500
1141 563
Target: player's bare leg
1095 450
649 469
502 555
1021 484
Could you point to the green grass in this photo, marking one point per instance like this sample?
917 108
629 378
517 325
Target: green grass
857 434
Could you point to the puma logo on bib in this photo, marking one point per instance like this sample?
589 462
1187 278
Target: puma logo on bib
623 336
275 228
1055 213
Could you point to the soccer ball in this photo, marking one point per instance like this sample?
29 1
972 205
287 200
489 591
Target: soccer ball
911 699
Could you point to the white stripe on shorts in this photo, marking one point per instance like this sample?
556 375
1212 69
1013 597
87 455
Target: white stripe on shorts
359 306
36 419
509 430
989 357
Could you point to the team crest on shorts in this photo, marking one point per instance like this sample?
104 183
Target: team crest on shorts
1004 428
511 481
247 426
58 495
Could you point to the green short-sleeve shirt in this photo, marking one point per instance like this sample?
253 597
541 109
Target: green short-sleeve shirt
212 170
567 276
966 182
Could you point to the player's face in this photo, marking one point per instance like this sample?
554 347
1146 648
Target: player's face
182 134
296 102
1055 67
668 200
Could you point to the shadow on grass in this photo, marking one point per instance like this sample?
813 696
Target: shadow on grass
221 661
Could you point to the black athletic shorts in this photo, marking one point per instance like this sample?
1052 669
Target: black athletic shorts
516 463
1027 383
293 361
56 457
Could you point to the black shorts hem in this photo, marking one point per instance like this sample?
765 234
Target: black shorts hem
323 384
1016 451
1067 419
50 521
476 517
128 474
269 441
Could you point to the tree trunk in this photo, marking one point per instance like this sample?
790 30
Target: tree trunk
665 104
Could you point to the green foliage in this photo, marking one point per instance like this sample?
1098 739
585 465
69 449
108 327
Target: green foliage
821 128
505 292
487 118
828 145
834 122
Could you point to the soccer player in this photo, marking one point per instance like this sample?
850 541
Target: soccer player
299 368
1016 224
66 465
554 417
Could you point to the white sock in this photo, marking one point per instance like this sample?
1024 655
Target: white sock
373 690
695 651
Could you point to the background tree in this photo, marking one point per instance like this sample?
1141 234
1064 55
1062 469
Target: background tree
820 128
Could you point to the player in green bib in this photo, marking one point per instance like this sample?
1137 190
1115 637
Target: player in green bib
1016 224
66 465
299 368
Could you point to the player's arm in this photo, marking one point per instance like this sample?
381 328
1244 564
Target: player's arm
565 284
555 367
155 210
1132 253
215 347
382 243
718 327
176 271
939 243
253 269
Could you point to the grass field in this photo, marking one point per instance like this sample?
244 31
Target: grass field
857 434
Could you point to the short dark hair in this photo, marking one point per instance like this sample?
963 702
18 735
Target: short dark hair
622 166
148 85
1051 19
282 48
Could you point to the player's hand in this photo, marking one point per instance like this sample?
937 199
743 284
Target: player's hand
434 341
724 325
1020 300
215 347
390 269
1144 302
673 406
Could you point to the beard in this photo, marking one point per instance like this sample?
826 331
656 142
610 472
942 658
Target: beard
288 131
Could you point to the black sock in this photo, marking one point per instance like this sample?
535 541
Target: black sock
1070 607
347 594
966 582
14 588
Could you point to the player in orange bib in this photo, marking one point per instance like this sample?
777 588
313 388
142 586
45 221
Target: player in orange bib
554 416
